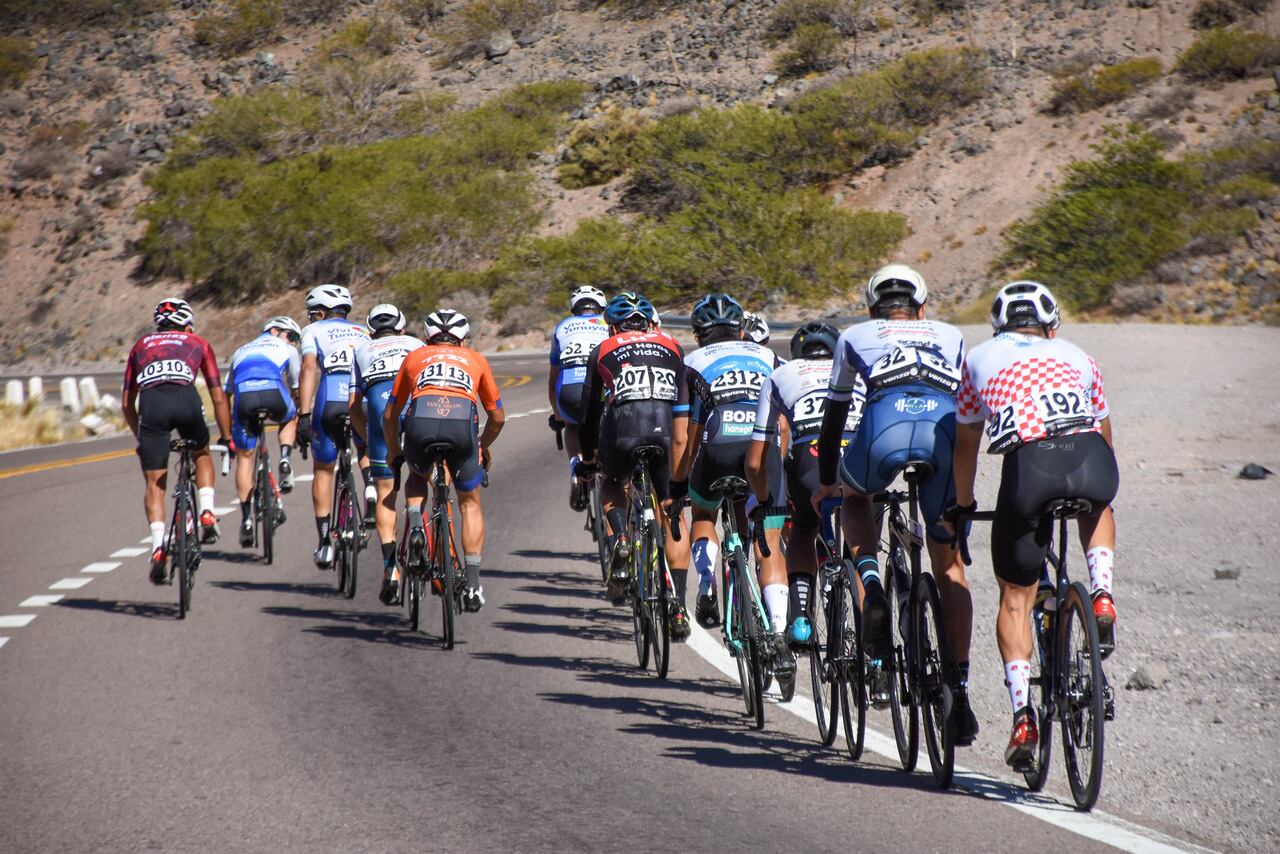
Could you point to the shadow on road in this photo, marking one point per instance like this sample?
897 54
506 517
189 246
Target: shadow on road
326 590
387 627
240 557
150 610
608 671
548 554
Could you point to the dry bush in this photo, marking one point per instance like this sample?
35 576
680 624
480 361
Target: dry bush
49 150
790 15
102 82
1229 54
1169 104
467 31
1091 89
1213 13
813 48
420 12
243 25
16 61
24 426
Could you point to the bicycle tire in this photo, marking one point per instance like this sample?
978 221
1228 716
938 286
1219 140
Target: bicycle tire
1042 635
448 579
414 598
178 548
902 702
933 665
266 509
826 686
1082 701
659 609
351 536
639 615
599 532
852 671
340 490
753 623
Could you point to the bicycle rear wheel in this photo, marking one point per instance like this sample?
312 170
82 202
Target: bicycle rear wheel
851 668
266 509
902 702
1042 633
444 573
598 531
655 597
1081 705
933 665
753 627
182 530
640 621
823 653
351 538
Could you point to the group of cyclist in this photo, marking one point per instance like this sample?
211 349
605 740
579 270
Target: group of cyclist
835 421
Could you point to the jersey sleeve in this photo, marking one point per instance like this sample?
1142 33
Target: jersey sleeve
487 387
293 370
130 384
209 366
680 408
700 399
229 384
310 347
357 382
766 412
968 402
402 388
1096 395
555 347
844 376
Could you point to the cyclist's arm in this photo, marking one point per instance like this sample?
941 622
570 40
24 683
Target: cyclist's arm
307 383
359 421
551 392
964 460
757 476
1104 426
400 392
589 431
491 400
761 435
221 410
684 462
492 426
830 439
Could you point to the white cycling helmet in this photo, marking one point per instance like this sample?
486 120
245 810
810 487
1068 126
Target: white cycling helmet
896 279
755 327
386 316
174 312
329 298
1024 303
446 321
586 293
283 322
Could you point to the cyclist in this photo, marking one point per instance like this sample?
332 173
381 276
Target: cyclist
725 376
1047 415
263 375
159 396
443 384
634 399
571 345
328 352
377 364
755 328
794 395
911 367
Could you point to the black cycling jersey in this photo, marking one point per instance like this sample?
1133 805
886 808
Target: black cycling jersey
630 368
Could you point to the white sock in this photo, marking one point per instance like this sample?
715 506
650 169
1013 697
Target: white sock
157 535
1101 562
705 555
776 598
206 499
371 493
1017 676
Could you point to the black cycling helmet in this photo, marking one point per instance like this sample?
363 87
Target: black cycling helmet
814 340
628 310
716 310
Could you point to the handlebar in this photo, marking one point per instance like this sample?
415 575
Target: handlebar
673 517
558 427
962 530
226 456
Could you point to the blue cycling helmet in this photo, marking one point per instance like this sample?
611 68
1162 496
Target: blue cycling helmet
716 310
814 340
630 310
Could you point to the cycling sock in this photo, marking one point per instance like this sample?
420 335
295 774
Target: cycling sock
617 521
705 554
366 475
1100 560
157 535
869 570
322 528
800 585
680 583
286 451
244 510
389 554
473 570
415 515
573 465
1017 677
775 601
206 499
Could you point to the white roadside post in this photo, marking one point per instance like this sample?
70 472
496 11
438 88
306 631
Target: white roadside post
35 391
70 394
88 393
13 393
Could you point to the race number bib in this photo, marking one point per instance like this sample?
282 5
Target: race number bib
575 353
737 384
382 368
1002 429
339 360
644 382
166 371
914 364
445 375
1063 409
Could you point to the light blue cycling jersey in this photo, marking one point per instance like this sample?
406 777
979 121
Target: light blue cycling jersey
377 362
571 345
264 363
729 373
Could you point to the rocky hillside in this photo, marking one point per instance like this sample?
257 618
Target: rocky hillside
240 151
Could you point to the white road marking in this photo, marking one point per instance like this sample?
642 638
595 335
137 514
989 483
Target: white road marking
40 601
104 566
543 411
303 478
1098 826
3 641
16 621
222 511
145 541
132 551
70 583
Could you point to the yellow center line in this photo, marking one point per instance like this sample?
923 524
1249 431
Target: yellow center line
509 381
61 464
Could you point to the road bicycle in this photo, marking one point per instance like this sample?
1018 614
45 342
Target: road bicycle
346 529
919 665
267 512
649 590
836 656
1067 674
182 540
429 555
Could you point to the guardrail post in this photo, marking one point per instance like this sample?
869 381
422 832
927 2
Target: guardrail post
70 394
13 393
88 393
35 390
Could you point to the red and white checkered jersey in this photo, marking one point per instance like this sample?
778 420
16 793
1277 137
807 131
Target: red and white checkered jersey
1027 388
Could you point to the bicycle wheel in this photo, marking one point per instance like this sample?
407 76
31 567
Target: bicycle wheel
823 652
902 702
753 625
180 531
443 569
266 509
351 534
1081 705
851 668
599 532
933 665
1042 633
639 614
656 600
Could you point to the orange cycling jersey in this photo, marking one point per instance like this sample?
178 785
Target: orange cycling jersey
445 369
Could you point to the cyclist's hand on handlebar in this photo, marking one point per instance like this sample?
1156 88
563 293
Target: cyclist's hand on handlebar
228 443
822 493
678 490
304 430
486 458
954 511
555 422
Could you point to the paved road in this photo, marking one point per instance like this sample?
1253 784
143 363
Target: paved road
280 717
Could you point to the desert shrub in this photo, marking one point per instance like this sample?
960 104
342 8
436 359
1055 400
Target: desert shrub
243 227
419 12
75 13
1253 7
1229 54
7 224
49 150
311 11
16 61
243 25
813 47
926 9
362 39
790 15
1209 14
1090 89
598 149
466 32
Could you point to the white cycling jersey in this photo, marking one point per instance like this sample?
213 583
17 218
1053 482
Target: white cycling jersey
571 345
729 372
379 359
797 391
1027 387
264 362
885 353
333 342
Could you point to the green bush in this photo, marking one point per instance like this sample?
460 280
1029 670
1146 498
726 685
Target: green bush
1229 54
813 48
1209 14
466 32
245 24
16 61
242 227
598 149
1090 89
790 15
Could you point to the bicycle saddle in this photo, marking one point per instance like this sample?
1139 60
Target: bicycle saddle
1068 508
439 449
646 453
730 485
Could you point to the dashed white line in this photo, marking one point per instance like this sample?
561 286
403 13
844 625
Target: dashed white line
3 641
15 621
103 566
145 540
131 551
70 583
542 411
303 478
40 601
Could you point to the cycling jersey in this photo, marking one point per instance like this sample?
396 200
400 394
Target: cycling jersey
571 345
448 370
332 341
169 357
887 353
1027 387
797 391
261 375
377 363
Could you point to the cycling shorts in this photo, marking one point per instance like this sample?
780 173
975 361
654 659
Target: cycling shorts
450 420
332 399
162 409
723 453
277 402
627 427
902 425
801 468
1079 465
569 399
375 406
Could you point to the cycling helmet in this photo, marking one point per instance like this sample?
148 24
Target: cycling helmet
1024 303
896 280
814 340
629 310
328 298
283 322
715 310
756 328
587 294
385 316
446 323
174 312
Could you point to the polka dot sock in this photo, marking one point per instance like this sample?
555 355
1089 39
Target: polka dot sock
1017 676
1100 560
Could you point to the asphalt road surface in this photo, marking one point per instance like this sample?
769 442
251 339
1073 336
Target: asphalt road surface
280 717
